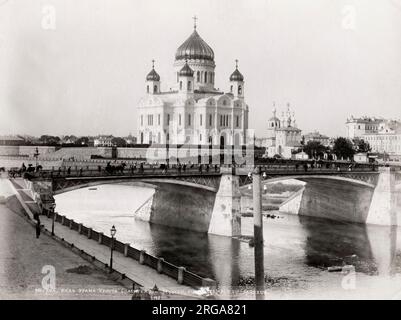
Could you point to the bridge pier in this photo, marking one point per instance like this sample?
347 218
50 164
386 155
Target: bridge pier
226 215
383 207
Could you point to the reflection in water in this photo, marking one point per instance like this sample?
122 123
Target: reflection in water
297 248
334 243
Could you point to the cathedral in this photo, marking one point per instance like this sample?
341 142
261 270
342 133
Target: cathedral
193 111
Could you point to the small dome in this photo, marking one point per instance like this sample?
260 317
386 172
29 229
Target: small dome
153 76
274 118
186 71
194 48
236 76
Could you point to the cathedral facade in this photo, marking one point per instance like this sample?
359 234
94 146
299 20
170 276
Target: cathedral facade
193 111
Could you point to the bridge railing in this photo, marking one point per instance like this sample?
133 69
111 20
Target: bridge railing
180 274
80 172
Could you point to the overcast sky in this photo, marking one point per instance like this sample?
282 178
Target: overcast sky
82 70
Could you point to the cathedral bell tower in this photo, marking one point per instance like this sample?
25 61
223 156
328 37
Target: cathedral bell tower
237 82
186 79
153 81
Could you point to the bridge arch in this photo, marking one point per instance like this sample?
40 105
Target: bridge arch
306 177
69 184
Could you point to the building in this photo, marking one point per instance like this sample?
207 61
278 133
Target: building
357 127
316 136
387 140
283 136
103 141
10 140
193 111
383 135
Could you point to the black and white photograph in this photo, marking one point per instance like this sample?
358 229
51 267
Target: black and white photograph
205 151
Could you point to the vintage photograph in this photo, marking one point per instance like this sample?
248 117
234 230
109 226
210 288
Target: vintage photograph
223 150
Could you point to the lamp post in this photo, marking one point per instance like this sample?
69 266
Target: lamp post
113 231
52 207
258 234
36 154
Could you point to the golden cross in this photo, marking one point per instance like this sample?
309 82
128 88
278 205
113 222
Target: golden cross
195 18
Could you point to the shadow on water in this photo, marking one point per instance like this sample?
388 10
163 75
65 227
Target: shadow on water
206 255
371 249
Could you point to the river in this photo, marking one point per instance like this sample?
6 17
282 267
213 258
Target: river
298 249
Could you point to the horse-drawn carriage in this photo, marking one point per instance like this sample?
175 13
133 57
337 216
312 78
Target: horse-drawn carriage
14 172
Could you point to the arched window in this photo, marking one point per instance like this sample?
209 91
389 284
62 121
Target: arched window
205 77
239 90
147 89
231 88
189 119
189 85
210 120
158 137
198 76
141 137
180 85
155 89
178 75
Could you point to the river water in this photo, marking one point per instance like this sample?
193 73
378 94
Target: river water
298 249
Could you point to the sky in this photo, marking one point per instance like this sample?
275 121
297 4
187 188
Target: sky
79 66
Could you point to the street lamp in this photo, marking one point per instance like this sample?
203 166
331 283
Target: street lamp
52 207
113 232
36 154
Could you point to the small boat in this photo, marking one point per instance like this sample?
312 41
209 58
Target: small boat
92 189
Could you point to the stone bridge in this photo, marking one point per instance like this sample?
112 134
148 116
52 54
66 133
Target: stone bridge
209 200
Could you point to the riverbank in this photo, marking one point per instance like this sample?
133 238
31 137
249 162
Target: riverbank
130 269
26 261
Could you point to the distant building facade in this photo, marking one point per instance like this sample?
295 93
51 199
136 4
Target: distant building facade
387 140
10 140
103 141
316 136
357 127
383 135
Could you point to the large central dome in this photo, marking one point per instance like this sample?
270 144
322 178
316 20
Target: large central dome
194 48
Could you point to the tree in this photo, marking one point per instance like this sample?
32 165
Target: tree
49 140
118 142
84 141
314 149
361 145
343 148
